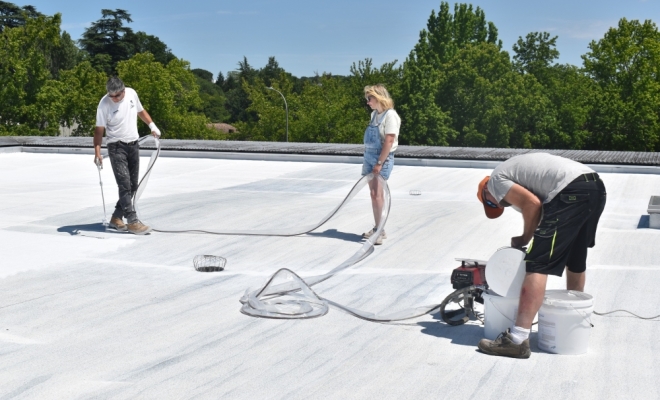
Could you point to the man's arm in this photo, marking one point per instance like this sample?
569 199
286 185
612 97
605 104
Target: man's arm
98 139
531 208
144 116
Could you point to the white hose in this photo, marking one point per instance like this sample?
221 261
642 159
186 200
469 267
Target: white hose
285 295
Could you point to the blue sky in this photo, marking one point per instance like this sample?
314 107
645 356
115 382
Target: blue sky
328 36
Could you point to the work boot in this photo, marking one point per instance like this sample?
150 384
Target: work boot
138 228
367 235
503 346
118 224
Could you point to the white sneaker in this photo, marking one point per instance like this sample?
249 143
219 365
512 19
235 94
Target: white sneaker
367 235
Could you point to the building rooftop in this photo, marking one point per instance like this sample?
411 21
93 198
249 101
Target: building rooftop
91 313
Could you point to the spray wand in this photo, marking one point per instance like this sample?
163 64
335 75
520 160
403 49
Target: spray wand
99 166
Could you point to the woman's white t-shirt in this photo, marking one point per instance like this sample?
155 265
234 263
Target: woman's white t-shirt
119 119
389 124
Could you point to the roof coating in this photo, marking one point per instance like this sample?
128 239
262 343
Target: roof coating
90 313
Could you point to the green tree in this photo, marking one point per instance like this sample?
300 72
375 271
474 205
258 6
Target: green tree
572 93
13 16
144 43
65 56
238 101
423 122
82 88
535 54
30 101
269 123
109 41
271 71
625 64
364 73
203 74
105 42
170 94
568 89
423 119
331 111
220 80
491 104
324 112
213 98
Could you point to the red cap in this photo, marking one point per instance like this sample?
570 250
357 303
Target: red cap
491 212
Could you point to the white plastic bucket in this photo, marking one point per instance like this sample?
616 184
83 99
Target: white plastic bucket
564 322
499 314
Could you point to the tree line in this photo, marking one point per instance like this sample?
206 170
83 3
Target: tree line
457 87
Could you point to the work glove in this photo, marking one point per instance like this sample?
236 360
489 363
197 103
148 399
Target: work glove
154 130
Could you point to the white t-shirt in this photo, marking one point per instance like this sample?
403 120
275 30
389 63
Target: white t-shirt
543 174
390 124
119 119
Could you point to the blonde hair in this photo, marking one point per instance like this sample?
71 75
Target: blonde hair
380 94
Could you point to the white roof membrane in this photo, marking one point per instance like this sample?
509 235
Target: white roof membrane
88 313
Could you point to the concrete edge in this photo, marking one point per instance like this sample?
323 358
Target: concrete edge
415 162
11 149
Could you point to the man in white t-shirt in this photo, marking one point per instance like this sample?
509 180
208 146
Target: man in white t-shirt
117 115
561 202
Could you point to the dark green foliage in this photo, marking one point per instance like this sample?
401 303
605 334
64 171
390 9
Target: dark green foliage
13 16
625 65
424 121
143 43
212 96
457 87
105 41
270 72
203 74
108 41
535 54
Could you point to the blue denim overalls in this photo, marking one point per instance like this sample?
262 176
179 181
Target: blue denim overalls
373 147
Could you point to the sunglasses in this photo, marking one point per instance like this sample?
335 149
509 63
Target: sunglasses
114 96
368 98
486 201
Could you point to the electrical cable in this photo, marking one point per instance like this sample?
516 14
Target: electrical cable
626 311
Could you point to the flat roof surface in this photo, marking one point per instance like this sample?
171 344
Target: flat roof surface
89 313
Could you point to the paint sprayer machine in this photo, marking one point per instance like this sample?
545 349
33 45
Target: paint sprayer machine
472 279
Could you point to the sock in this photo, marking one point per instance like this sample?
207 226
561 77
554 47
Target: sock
519 335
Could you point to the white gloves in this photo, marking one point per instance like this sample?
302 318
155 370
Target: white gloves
154 129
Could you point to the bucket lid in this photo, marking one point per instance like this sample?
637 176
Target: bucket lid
567 299
505 271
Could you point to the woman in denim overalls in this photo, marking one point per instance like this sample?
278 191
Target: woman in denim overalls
380 141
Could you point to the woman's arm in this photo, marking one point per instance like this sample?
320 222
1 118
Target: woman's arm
387 146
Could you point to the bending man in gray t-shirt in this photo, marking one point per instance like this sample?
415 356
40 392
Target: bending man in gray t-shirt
561 202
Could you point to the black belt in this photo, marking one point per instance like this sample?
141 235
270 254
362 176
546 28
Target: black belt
130 143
